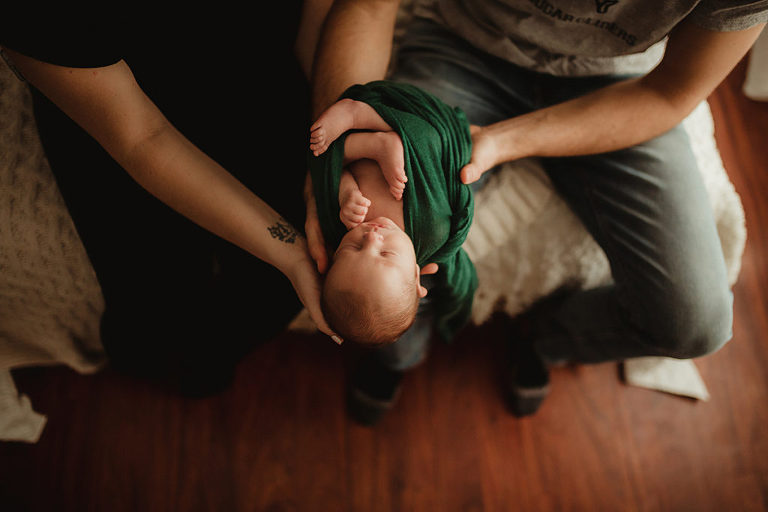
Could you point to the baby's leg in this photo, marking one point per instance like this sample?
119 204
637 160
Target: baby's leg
346 114
384 147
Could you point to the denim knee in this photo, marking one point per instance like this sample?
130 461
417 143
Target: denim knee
686 327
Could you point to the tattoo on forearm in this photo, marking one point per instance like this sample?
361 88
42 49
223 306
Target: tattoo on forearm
283 231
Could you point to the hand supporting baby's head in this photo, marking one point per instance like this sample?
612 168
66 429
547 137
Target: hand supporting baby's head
371 291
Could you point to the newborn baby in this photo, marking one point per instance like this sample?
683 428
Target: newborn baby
390 201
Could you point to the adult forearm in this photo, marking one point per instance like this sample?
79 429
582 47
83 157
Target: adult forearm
354 47
624 114
630 112
616 117
176 172
313 13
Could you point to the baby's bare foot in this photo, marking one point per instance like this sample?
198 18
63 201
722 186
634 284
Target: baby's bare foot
339 118
392 162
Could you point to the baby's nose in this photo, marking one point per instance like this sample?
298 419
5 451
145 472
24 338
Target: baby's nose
372 236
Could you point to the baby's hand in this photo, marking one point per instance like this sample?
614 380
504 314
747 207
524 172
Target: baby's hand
354 207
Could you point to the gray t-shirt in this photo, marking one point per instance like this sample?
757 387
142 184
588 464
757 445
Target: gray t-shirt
584 37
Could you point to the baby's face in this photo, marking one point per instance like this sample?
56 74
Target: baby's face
376 253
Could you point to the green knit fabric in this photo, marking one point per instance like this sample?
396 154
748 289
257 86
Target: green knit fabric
437 207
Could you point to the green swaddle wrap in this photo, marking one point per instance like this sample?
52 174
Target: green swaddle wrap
437 207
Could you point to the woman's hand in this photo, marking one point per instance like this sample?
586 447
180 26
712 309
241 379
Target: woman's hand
484 154
306 281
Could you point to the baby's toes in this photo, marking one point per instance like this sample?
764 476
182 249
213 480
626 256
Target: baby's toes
397 193
318 148
318 136
317 127
398 171
396 179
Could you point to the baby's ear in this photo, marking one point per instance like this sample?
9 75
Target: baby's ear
429 268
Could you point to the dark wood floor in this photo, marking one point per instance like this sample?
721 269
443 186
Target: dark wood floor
279 439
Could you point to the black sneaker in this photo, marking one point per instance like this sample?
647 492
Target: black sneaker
526 380
372 391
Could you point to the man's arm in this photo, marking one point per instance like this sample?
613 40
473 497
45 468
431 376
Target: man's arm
109 105
623 114
354 47
313 14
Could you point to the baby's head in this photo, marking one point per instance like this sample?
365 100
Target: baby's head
371 290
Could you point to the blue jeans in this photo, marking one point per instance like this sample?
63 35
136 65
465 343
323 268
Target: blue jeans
646 206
